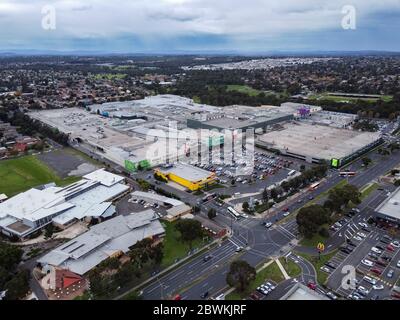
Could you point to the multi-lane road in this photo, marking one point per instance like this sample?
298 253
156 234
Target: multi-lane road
196 277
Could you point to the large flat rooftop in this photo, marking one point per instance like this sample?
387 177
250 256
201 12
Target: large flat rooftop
187 172
391 206
318 141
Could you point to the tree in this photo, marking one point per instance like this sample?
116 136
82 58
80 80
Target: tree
245 206
265 196
310 219
18 286
274 194
189 230
212 213
366 161
240 275
48 231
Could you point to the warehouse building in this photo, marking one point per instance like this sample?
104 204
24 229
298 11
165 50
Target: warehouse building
317 143
188 176
111 238
90 198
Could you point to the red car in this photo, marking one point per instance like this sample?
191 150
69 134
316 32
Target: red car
286 209
396 295
177 297
255 296
312 285
376 271
390 248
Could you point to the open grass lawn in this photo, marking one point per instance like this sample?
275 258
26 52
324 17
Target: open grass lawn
272 272
292 269
338 98
174 247
318 263
244 89
21 174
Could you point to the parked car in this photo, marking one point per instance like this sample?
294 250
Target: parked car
390 273
268 225
370 280
377 271
378 287
376 250
331 295
390 248
367 262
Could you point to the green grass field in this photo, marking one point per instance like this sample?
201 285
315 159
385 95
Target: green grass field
244 89
292 269
174 247
365 192
335 98
21 174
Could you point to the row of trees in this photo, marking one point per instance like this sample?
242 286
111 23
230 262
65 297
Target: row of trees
32 127
306 177
311 219
111 274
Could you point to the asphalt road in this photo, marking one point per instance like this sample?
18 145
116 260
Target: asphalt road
259 242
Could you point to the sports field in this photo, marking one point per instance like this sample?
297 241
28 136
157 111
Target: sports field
21 174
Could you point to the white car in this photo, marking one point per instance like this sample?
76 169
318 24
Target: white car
268 225
362 235
370 280
286 214
357 238
363 291
363 225
398 264
376 250
395 244
367 262
244 215
378 287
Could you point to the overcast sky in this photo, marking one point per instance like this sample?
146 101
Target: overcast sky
193 25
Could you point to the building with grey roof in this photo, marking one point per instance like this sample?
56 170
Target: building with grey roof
390 208
104 240
301 292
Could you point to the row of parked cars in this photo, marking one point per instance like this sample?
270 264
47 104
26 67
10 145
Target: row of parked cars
265 289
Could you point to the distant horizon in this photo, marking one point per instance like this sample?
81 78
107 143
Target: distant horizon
37 52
